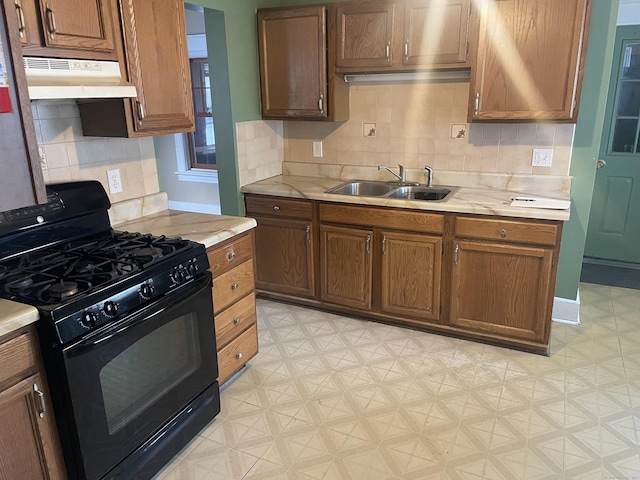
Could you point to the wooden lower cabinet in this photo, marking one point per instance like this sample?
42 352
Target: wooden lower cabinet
234 303
346 266
487 278
502 290
410 274
29 445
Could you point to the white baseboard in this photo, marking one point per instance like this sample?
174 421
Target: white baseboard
566 311
194 207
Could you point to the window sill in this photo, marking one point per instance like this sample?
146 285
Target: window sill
198 175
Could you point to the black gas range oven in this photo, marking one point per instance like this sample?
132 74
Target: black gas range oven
126 331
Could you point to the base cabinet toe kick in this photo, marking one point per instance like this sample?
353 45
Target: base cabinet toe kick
484 278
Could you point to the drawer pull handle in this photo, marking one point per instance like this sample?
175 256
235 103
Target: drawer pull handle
276 207
476 104
234 286
455 254
367 243
239 355
40 396
503 232
231 256
236 321
307 232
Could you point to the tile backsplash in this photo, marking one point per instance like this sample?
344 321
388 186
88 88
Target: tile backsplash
260 149
71 156
413 124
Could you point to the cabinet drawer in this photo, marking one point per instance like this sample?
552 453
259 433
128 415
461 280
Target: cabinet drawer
382 217
17 356
279 207
235 319
507 230
231 286
229 255
237 353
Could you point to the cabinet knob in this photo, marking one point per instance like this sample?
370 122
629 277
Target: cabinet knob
239 355
231 256
503 232
276 208
236 321
234 286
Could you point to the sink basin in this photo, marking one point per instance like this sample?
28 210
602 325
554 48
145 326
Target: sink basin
369 188
363 188
421 193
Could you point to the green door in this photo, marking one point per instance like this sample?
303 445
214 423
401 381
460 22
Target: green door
614 224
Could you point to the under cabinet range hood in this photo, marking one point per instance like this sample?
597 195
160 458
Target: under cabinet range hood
56 78
422 76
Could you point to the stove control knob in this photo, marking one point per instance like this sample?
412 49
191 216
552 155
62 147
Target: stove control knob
88 319
146 290
177 276
110 308
192 269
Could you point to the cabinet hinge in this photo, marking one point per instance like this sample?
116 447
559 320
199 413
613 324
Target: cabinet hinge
467 48
440 309
442 248
553 261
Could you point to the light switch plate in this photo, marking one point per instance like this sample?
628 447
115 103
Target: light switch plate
542 157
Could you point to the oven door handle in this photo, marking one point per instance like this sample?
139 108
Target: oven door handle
186 293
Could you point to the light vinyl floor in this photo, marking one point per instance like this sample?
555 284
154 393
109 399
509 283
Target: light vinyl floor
332 397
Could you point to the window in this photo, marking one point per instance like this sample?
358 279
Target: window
202 142
626 118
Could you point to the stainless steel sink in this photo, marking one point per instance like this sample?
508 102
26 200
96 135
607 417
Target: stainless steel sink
369 188
432 194
363 188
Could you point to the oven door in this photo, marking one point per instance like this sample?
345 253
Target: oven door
129 380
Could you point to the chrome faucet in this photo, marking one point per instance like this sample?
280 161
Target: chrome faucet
402 176
429 173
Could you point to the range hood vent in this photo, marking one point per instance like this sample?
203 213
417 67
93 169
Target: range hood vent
55 78
426 76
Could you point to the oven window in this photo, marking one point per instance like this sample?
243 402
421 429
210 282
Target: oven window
148 369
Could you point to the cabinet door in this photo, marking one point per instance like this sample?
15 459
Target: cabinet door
435 32
158 65
528 59
27 22
78 24
411 269
293 69
284 256
504 290
346 266
365 33
27 440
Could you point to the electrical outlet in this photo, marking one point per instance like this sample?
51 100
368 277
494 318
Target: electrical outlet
43 157
115 182
317 149
542 157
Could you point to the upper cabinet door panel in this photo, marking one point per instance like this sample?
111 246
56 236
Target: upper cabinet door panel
365 35
293 69
435 32
158 64
78 24
528 59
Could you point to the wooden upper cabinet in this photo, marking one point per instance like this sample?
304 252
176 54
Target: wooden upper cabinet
402 36
435 32
78 24
158 65
293 71
529 60
84 29
156 61
365 33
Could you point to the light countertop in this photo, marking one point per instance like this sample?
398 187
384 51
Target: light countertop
199 227
481 199
15 315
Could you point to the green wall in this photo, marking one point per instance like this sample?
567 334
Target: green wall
586 144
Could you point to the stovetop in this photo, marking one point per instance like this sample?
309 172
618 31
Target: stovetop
58 274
